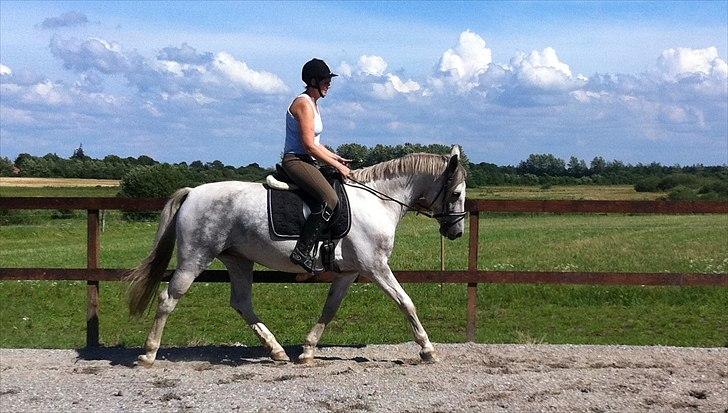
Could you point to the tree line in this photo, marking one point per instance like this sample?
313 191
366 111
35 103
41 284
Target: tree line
538 169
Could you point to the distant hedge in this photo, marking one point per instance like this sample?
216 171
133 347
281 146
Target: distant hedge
684 187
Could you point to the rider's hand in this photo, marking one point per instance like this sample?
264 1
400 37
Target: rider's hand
344 170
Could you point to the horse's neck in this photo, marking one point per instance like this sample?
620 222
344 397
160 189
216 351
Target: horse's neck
406 189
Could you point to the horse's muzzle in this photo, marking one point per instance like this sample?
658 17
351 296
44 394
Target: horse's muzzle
454 236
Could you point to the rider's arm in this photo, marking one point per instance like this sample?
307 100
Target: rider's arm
304 113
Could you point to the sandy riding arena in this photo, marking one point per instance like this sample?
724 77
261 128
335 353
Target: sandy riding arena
469 377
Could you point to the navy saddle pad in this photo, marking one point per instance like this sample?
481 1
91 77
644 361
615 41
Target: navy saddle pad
285 213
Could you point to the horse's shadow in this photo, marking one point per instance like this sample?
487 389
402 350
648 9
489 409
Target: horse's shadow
215 355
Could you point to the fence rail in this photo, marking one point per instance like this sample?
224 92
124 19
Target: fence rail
92 274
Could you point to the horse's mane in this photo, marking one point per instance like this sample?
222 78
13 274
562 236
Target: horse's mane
409 164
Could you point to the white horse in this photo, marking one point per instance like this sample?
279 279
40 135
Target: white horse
229 221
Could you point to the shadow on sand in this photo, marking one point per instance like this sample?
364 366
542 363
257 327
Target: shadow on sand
216 355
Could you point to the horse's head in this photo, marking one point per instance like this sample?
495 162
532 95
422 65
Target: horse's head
446 197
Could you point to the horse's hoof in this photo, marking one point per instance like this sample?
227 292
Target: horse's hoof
305 360
428 357
145 361
280 356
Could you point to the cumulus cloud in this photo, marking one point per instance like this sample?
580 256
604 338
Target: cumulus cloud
463 64
239 73
394 86
371 65
542 70
680 62
173 70
93 53
680 76
70 19
184 54
4 70
370 77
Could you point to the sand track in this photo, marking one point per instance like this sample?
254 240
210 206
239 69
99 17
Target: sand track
469 377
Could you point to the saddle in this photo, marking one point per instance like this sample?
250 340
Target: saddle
288 206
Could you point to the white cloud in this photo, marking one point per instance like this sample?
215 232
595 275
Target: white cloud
403 87
680 62
93 53
371 65
463 64
344 69
543 70
239 73
47 93
174 70
394 86
4 70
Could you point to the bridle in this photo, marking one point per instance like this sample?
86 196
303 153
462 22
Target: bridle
426 211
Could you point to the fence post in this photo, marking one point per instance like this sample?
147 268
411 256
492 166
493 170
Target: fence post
92 287
472 267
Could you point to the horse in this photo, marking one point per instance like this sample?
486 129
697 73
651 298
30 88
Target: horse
229 221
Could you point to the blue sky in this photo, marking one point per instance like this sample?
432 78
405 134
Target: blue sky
634 81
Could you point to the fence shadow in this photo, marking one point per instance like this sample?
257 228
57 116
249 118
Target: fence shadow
214 354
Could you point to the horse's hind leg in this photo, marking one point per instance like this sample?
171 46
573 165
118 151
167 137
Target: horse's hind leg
168 298
241 299
337 291
391 286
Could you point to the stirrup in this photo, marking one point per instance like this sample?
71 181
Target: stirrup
304 261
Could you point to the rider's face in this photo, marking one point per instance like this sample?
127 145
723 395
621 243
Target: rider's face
324 86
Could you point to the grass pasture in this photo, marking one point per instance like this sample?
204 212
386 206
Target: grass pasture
52 314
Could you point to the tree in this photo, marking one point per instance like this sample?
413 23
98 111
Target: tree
354 151
112 159
542 164
598 166
6 167
577 167
78 153
145 161
379 153
22 160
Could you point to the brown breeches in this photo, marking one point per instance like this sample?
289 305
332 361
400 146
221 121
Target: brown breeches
309 178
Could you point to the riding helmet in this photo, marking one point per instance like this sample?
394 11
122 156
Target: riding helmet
316 69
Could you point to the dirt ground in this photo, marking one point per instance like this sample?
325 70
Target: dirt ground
56 182
468 377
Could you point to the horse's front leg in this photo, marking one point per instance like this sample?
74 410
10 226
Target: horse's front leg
337 291
385 279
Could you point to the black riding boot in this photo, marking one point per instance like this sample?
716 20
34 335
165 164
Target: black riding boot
302 253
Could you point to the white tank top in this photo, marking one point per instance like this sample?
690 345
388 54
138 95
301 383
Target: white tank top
294 143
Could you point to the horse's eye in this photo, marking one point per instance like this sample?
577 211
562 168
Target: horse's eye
455 195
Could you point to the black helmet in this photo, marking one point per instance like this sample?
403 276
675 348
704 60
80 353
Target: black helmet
316 69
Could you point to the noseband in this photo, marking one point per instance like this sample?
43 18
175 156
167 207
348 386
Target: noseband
459 215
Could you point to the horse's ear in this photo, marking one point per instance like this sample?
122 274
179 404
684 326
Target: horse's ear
452 164
455 151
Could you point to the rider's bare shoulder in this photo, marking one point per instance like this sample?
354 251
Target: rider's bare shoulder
300 107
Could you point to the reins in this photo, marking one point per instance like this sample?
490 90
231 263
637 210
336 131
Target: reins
426 212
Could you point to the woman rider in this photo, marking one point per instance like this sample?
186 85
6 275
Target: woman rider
301 152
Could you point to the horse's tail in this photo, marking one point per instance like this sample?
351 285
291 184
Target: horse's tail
145 278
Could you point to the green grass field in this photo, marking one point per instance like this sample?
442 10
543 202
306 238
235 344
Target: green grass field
52 314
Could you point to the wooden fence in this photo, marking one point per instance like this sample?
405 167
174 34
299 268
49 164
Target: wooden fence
92 274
